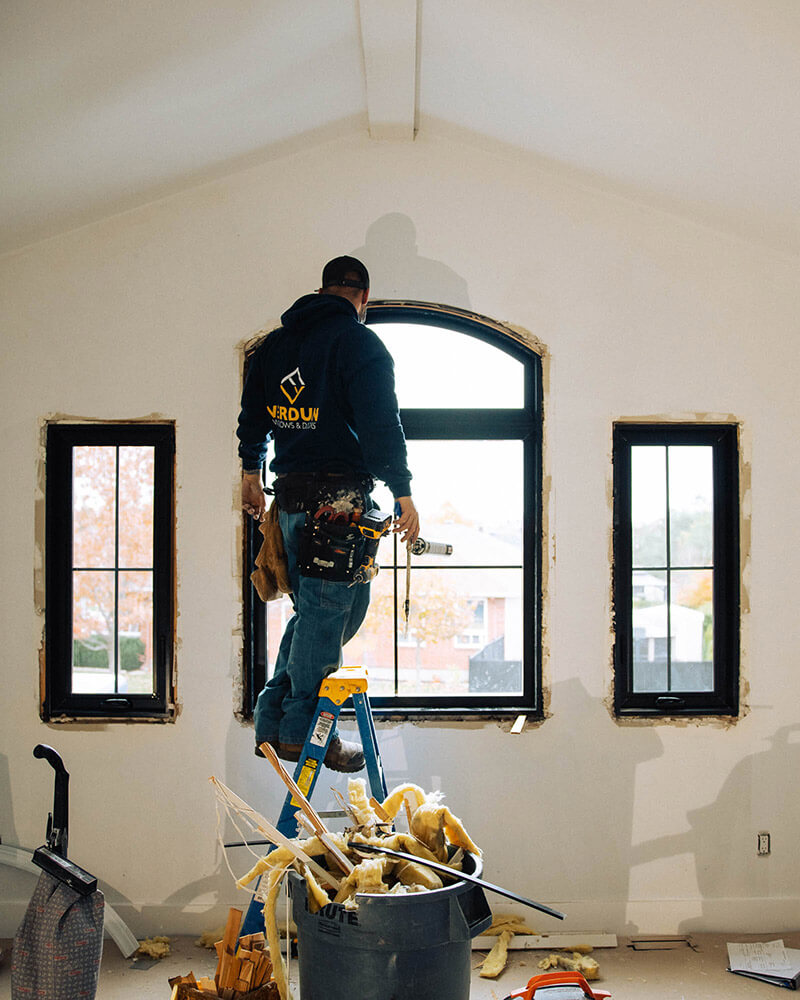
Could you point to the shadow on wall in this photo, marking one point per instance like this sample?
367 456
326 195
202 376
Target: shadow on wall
397 271
8 831
722 835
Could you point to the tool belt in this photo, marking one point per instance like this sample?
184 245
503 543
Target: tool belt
296 492
330 548
337 545
332 545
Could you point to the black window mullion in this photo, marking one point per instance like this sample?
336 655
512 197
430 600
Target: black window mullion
668 561
115 636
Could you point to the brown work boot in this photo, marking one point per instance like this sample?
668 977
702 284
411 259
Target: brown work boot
289 751
344 756
286 751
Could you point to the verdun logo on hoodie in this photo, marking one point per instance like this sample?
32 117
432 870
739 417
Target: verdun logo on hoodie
293 417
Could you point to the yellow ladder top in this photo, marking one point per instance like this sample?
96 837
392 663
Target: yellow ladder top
343 682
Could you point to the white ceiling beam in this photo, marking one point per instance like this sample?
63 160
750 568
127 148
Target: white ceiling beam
389 43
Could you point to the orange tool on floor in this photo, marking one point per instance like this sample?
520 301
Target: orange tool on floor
558 986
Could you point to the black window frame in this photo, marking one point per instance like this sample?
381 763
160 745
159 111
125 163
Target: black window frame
58 702
723 700
525 424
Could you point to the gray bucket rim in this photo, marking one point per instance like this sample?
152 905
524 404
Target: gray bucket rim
409 898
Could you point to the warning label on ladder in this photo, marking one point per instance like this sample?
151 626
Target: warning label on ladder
322 729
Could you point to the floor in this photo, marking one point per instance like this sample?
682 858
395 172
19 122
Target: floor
685 973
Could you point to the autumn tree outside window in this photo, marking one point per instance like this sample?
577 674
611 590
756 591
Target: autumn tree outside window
109 570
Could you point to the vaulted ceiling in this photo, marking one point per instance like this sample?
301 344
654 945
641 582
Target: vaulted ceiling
688 105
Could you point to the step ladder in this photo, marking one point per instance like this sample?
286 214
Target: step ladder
345 683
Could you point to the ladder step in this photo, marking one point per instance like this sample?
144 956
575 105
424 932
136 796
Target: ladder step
343 684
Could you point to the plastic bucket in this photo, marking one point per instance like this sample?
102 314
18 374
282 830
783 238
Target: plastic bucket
409 947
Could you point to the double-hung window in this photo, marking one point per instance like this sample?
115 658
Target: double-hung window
109 570
676 569
470 402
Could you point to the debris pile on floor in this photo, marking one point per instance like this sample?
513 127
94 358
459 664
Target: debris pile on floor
505 926
244 970
154 947
575 961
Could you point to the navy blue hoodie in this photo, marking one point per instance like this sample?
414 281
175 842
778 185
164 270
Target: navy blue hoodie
322 386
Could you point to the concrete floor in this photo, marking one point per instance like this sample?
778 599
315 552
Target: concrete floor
681 974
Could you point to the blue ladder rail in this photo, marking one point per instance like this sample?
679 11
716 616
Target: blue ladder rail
347 682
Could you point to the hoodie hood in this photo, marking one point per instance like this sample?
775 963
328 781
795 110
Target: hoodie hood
312 309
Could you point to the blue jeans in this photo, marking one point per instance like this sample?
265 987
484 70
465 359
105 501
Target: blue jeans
327 614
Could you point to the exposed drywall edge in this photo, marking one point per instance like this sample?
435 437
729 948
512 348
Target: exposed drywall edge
745 553
81 723
548 538
745 530
241 348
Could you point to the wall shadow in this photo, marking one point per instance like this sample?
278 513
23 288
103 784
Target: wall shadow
722 837
397 271
8 830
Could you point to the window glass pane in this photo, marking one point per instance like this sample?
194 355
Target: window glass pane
692 633
464 634
136 632
649 505
136 502
438 368
373 645
469 494
277 614
691 505
94 475
650 630
93 629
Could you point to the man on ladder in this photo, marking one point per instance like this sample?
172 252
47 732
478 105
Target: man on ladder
322 387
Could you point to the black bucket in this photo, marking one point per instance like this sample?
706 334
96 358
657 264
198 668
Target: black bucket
406 947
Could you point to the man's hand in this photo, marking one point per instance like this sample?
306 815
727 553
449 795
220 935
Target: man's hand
254 501
407 521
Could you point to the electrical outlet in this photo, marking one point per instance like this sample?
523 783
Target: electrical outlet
763 844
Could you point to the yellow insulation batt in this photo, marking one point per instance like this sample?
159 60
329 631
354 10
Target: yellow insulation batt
576 962
495 961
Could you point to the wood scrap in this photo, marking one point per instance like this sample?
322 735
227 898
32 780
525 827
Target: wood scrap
244 969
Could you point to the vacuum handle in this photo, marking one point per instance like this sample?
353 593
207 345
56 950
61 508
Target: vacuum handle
53 757
58 820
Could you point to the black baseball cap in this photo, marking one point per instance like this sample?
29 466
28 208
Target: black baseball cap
340 271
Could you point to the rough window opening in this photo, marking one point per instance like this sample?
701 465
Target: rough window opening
676 569
109 571
470 402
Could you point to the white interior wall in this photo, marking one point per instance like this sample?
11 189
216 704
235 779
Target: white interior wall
634 827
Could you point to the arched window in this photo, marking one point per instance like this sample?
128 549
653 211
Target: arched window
469 392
